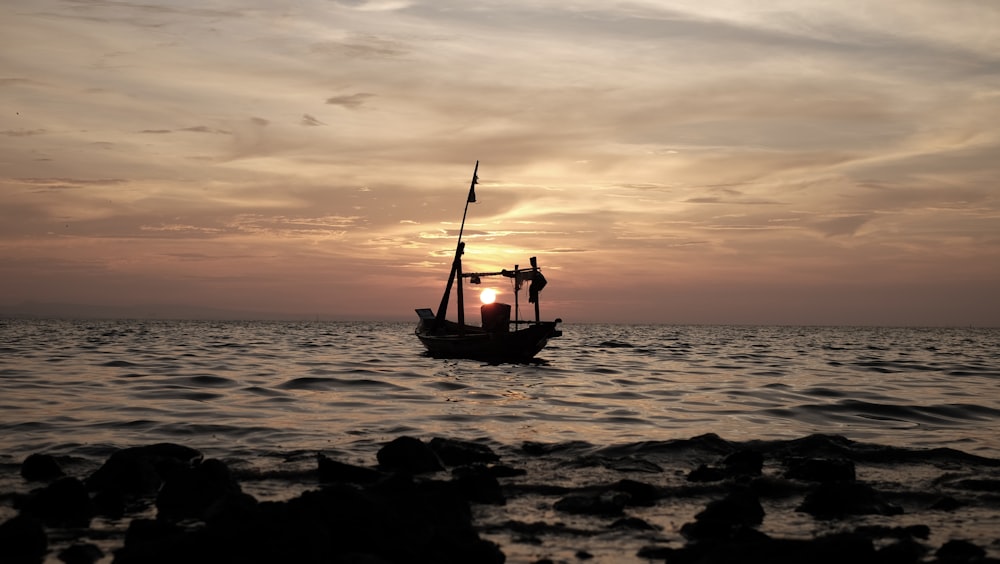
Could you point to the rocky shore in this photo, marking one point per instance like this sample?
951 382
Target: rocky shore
705 500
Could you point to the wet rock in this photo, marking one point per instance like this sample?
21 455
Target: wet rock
189 492
478 485
731 517
904 551
63 503
142 470
947 503
633 524
744 463
820 470
705 473
453 452
740 464
333 471
604 504
408 454
504 471
40 468
22 539
81 554
147 531
836 500
959 552
640 493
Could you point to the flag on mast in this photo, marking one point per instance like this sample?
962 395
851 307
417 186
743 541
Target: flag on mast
472 188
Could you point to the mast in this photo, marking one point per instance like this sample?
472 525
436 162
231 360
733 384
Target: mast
456 264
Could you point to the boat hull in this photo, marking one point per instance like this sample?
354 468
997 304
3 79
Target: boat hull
520 345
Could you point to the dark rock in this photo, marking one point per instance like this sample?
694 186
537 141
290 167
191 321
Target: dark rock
583 555
979 485
610 503
81 554
959 552
189 492
110 503
640 493
820 470
453 452
947 503
408 454
634 524
905 551
478 485
40 468
142 470
731 517
739 507
147 531
22 539
504 471
333 471
744 463
835 500
63 503
706 473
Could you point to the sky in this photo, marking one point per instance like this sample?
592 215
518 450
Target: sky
667 161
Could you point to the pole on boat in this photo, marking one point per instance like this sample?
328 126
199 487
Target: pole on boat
456 265
534 274
517 304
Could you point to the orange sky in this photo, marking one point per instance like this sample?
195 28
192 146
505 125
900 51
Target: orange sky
709 161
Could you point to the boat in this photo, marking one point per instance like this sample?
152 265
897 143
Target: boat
500 337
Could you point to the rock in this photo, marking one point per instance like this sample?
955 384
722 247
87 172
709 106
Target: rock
142 470
640 493
81 554
820 470
63 503
836 500
333 471
453 452
904 551
22 539
705 473
633 524
959 552
40 468
740 507
731 517
189 492
146 531
504 471
408 454
744 463
478 485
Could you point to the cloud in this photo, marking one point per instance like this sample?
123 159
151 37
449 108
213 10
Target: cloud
205 129
310 121
351 101
22 132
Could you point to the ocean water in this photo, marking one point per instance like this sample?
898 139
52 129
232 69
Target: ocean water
230 389
602 403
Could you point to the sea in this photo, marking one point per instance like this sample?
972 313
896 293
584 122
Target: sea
267 391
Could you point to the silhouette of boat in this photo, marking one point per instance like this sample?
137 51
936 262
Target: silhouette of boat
500 338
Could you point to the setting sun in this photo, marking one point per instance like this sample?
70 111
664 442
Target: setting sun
488 295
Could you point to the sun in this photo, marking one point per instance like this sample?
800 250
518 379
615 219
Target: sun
488 296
